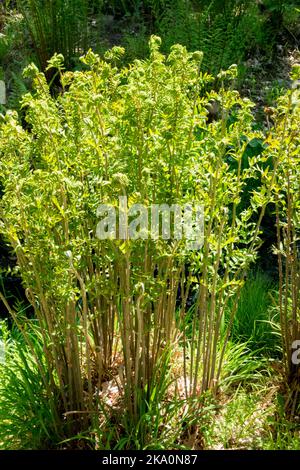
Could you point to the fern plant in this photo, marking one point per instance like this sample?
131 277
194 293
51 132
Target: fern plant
60 26
18 89
110 308
284 148
224 31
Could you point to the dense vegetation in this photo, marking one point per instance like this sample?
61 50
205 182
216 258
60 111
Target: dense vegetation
149 342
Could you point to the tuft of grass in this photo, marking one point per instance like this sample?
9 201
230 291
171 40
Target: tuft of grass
282 435
242 366
28 413
255 315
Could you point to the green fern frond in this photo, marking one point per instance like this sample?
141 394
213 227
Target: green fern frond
17 88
